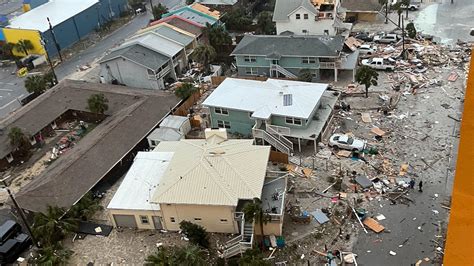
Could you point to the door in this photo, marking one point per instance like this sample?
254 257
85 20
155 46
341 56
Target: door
125 221
157 222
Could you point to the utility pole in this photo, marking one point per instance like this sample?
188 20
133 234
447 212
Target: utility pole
151 6
403 38
49 61
386 11
20 210
54 39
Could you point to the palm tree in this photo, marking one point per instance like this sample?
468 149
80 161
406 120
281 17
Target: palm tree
265 24
158 11
253 257
406 4
97 103
17 137
385 3
6 49
366 76
204 54
35 84
160 258
167 256
398 7
52 226
53 255
23 46
185 90
191 255
217 35
85 208
254 213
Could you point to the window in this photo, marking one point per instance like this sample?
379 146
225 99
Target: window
305 31
326 32
250 71
223 124
172 220
293 121
250 59
221 111
224 221
150 72
197 219
298 16
308 60
305 16
153 142
144 219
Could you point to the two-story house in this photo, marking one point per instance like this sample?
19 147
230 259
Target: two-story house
309 17
277 112
285 56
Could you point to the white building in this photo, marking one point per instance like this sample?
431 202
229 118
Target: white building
172 128
306 17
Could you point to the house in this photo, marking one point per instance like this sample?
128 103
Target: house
173 127
277 112
221 5
147 60
361 10
101 154
268 55
203 181
305 17
206 10
184 24
189 13
71 21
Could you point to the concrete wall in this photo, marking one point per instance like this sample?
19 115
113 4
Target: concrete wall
137 214
14 35
128 73
310 25
240 121
210 217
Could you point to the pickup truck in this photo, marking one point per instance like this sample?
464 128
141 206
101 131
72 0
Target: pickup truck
379 63
386 38
411 7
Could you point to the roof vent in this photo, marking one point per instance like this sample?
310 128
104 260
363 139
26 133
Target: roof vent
220 132
287 99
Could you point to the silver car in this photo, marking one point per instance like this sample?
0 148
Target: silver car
342 141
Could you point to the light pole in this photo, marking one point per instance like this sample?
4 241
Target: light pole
20 210
49 61
54 39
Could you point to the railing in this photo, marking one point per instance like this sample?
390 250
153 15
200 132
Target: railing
282 70
160 74
258 133
275 131
329 65
236 245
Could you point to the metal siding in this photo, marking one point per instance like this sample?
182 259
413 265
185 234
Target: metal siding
280 121
240 121
66 34
125 221
261 61
86 21
49 43
35 3
296 62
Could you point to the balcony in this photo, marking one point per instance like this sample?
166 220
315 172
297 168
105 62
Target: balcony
160 74
329 65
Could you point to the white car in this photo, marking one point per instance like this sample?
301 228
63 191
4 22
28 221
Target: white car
342 141
386 38
379 63
367 49
411 7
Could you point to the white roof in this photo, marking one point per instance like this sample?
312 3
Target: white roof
217 2
165 134
156 43
58 11
173 121
141 181
215 171
266 98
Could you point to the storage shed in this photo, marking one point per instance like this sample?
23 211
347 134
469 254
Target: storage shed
172 128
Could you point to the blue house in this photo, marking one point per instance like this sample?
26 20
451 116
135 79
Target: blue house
285 56
275 112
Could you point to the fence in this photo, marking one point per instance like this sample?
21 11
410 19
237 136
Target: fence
183 109
278 157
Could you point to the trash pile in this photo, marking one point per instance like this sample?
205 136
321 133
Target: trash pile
74 133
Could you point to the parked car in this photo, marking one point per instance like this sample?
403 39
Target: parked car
364 36
12 248
379 63
342 141
9 229
367 49
411 7
386 38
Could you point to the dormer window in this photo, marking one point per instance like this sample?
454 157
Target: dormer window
298 16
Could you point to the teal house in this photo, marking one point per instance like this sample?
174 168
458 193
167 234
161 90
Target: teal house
286 55
280 113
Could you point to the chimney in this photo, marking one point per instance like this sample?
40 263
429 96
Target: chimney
220 132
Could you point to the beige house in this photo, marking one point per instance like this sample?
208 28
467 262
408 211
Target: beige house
204 181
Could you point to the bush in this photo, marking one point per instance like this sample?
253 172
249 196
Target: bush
196 233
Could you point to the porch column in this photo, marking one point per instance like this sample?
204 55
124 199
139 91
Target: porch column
353 74
315 147
299 144
335 74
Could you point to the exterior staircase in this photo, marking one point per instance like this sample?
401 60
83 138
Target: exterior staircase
241 243
275 139
282 71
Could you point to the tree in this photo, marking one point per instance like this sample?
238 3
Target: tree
265 23
253 257
19 141
6 50
367 77
51 227
204 54
168 256
305 75
35 84
97 103
254 213
23 46
385 3
196 233
189 2
158 11
52 255
217 36
398 7
237 20
85 208
185 90
406 4
411 30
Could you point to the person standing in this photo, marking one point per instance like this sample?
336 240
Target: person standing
412 183
420 186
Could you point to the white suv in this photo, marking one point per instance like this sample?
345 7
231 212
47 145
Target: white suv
387 38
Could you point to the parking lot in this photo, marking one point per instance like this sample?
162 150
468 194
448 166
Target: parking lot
12 90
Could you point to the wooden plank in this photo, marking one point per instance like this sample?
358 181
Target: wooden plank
344 153
373 225
366 118
307 172
377 131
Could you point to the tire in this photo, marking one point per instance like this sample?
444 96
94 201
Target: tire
412 9
355 150
335 147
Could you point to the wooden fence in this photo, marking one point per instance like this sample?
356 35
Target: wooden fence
183 109
278 157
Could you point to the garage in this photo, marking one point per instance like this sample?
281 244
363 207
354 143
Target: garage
125 221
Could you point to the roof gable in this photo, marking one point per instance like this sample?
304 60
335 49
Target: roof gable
284 8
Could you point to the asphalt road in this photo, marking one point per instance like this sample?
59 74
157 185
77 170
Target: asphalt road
11 90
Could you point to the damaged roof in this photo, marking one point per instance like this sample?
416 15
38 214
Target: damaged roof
361 5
